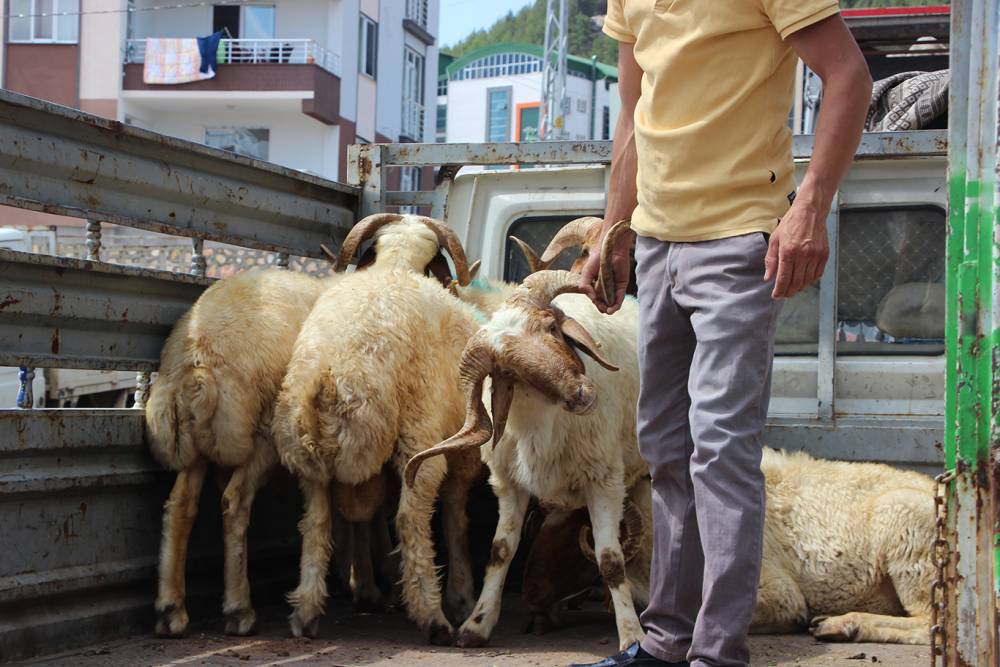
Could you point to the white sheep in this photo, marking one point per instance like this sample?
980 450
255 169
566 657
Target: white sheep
220 370
847 553
373 379
550 441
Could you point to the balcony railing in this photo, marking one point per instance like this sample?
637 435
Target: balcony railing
413 119
251 51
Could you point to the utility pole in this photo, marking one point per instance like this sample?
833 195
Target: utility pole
554 101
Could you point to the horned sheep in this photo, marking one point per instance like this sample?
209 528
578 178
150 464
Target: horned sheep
549 440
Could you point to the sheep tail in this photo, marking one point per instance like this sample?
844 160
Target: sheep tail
297 426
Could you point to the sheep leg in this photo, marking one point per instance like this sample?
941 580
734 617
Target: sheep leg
459 591
421 586
309 598
364 591
477 629
863 627
179 514
605 510
387 556
343 536
237 500
781 606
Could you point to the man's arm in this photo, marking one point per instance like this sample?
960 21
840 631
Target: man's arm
799 247
622 194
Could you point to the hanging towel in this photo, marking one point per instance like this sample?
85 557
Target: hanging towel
909 101
172 61
209 48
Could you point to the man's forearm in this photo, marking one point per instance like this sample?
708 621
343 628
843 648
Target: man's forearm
841 120
622 193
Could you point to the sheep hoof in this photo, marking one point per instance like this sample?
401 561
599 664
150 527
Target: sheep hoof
304 628
470 639
369 606
241 622
834 628
171 621
538 624
440 635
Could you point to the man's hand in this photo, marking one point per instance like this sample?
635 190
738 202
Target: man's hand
798 250
621 262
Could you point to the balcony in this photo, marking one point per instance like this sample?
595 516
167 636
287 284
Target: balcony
415 21
413 120
252 68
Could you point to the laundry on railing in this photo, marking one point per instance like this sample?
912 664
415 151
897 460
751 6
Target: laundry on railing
209 47
171 61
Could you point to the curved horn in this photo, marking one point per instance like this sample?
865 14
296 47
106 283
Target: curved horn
572 234
474 269
360 233
605 277
535 264
477 363
544 286
632 530
447 238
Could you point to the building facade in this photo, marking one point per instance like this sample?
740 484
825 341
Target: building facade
494 94
298 80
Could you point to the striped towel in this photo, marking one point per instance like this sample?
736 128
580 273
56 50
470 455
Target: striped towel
173 61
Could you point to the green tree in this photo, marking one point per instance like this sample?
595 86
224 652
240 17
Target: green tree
528 25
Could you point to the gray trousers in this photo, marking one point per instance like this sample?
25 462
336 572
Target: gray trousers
706 343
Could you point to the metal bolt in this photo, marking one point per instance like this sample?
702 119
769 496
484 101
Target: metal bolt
281 260
25 392
199 264
141 390
94 240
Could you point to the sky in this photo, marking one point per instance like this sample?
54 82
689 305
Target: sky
461 17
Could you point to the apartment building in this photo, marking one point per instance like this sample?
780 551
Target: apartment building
494 94
298 80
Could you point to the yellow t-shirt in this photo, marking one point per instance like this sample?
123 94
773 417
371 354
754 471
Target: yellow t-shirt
711 127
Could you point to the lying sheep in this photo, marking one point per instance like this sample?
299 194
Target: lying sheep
847 553
373 379
550 441
212 403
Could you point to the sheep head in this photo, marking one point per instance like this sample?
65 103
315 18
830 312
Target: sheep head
399 241
531 341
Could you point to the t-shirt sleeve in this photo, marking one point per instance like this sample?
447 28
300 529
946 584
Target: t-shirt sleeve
615 26
789 16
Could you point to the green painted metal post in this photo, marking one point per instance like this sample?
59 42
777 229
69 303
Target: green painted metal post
972 398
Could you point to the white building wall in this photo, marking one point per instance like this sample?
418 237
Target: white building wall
391 37
467 101
295 140
101 39
343 30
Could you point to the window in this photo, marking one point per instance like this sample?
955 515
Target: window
442 86
441 130
409 181
252 142
581 105
368 47
890 286
498 114
500 64
61 23
413 94
606 124
416 11
247 21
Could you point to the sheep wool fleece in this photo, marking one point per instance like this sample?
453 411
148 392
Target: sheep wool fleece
706 344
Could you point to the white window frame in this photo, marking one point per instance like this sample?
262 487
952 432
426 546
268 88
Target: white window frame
57 7
230 128
416 11
363 64
414 89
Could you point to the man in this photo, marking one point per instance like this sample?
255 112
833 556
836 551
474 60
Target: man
702 168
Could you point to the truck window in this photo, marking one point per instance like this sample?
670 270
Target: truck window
890 286
537 231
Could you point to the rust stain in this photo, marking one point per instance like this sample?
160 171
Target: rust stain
9 301
55 341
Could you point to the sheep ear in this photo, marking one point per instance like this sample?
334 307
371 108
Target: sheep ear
582 339
501 397
535 264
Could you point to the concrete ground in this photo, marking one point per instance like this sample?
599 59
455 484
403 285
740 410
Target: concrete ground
349 640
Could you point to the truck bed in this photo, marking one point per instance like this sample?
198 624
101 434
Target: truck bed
349 639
